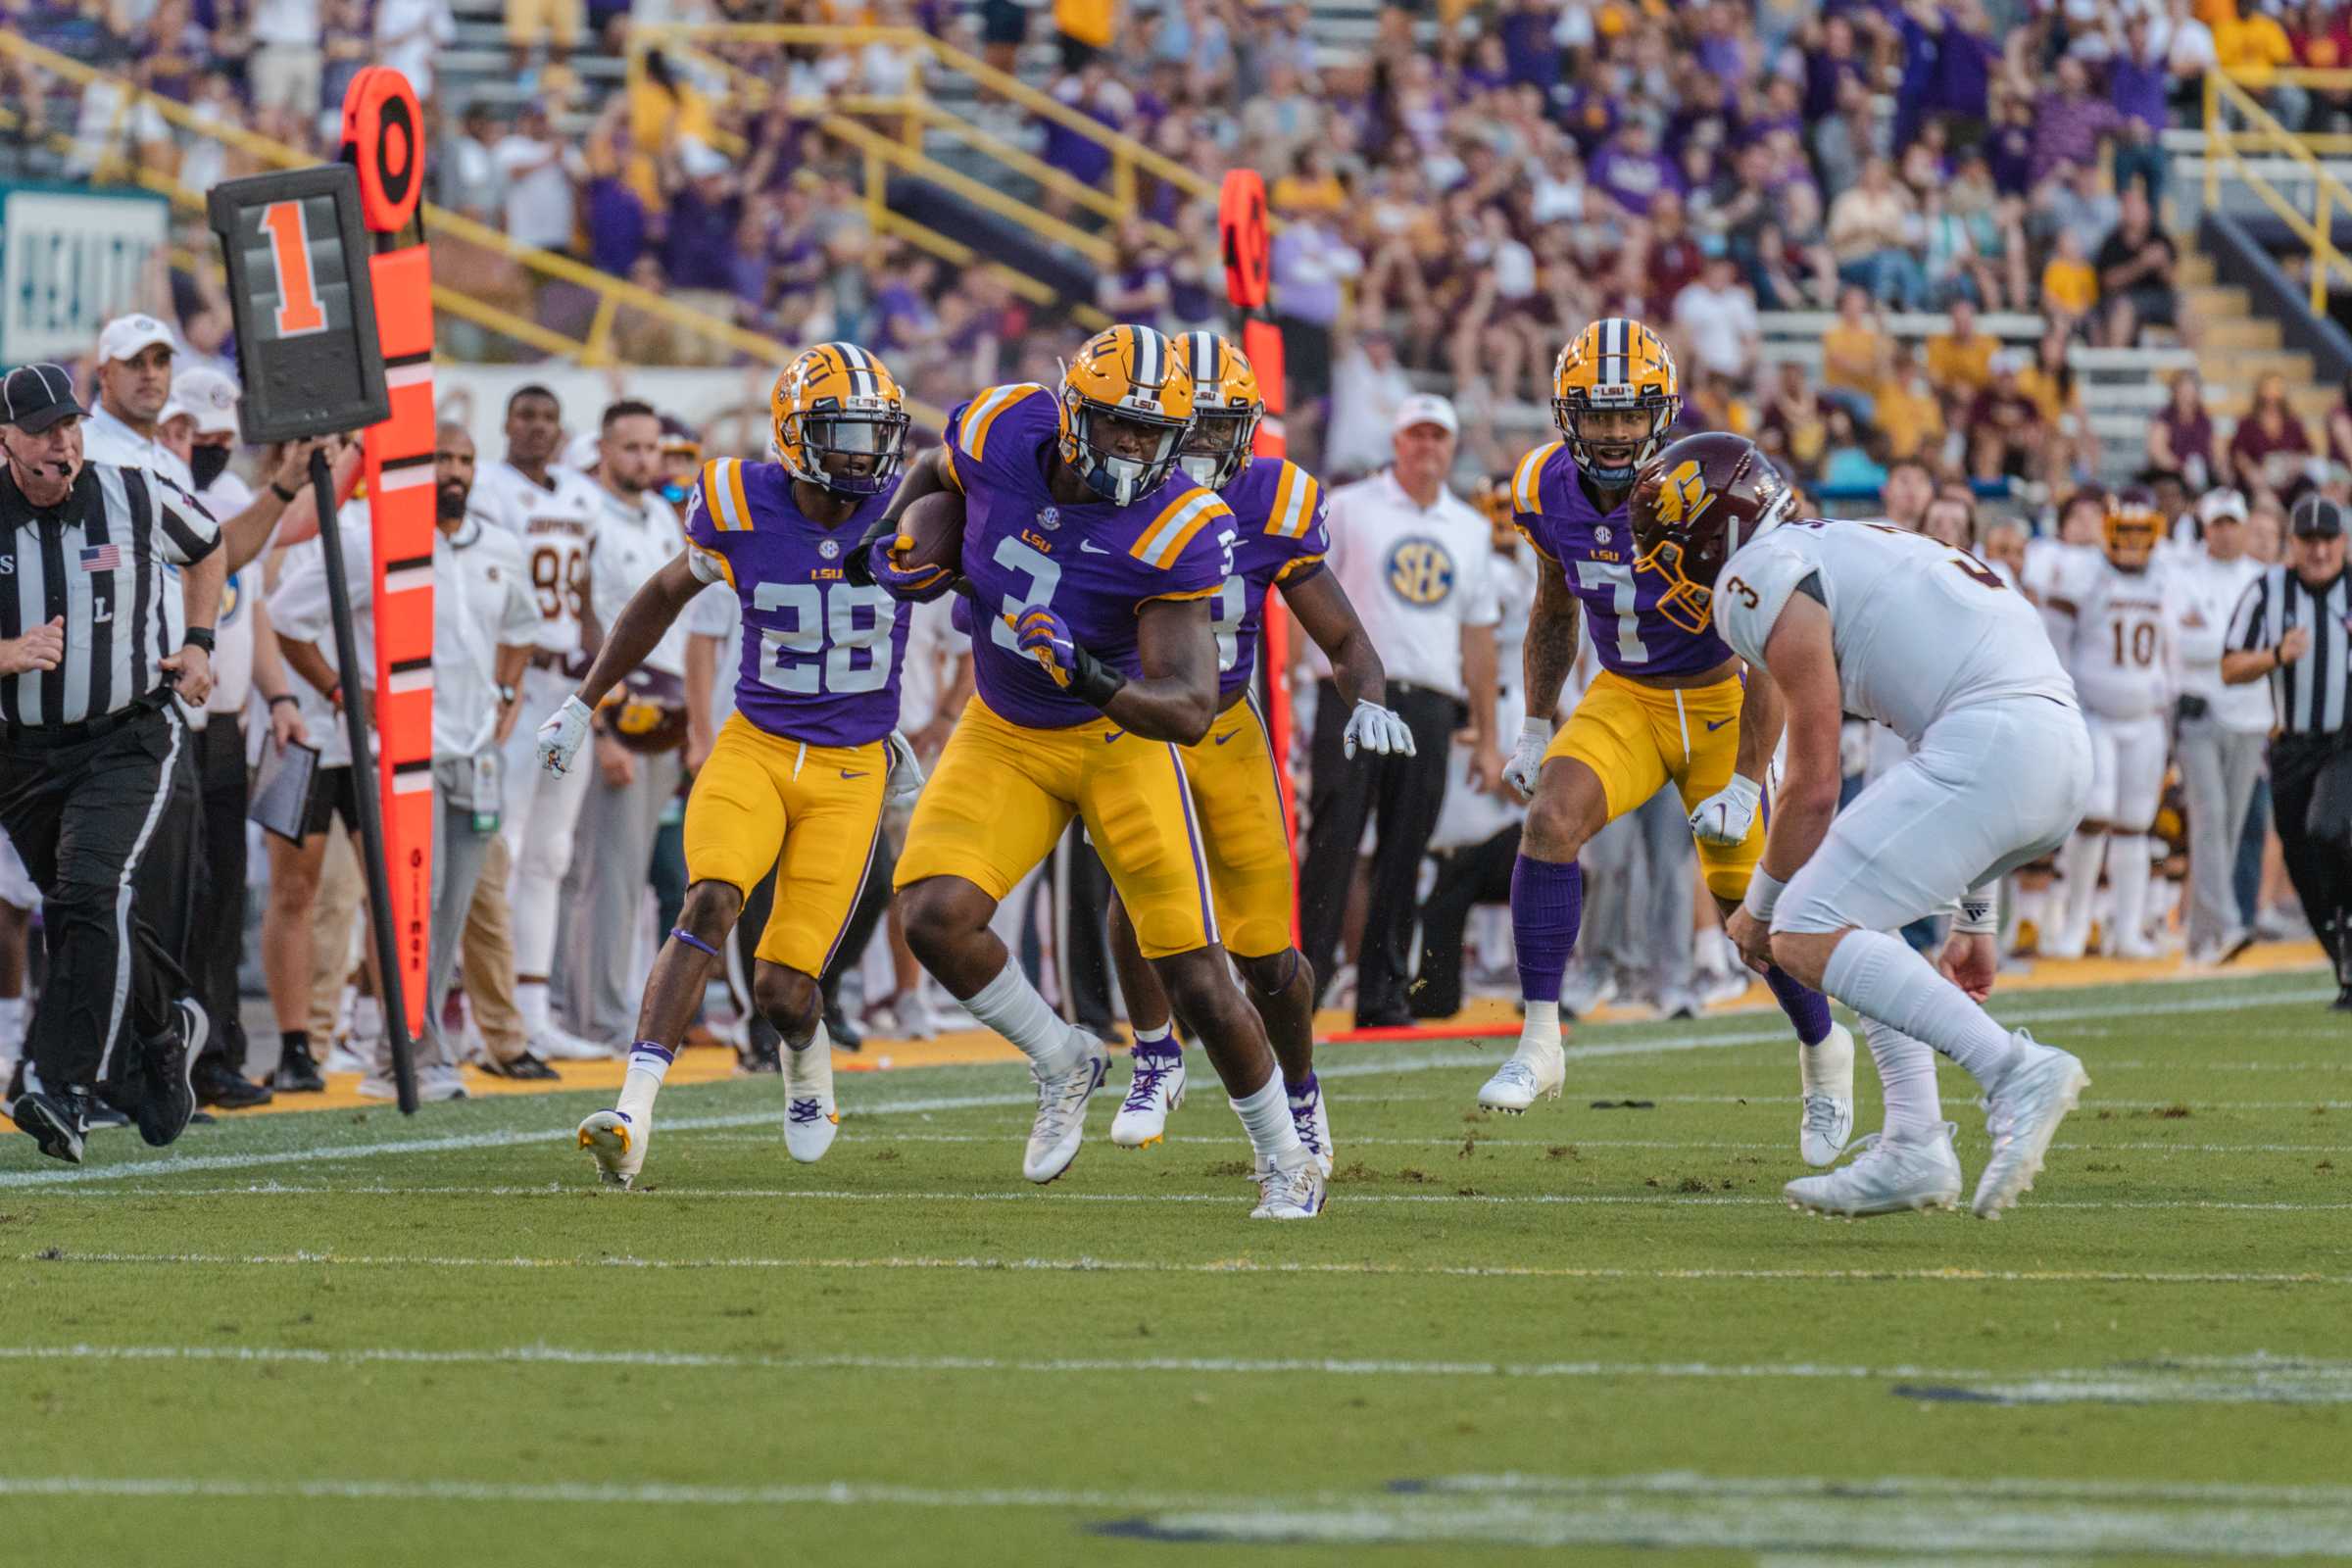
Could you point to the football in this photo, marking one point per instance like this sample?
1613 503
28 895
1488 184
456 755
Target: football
935 524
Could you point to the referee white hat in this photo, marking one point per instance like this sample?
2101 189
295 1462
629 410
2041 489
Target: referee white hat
208 397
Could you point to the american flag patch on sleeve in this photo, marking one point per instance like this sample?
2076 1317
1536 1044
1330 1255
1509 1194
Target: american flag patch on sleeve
101 558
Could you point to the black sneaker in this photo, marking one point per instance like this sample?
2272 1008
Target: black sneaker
526 1068
168 1066
55 1121
221 1085
845 1033
2343 1001
763 1052
297 1070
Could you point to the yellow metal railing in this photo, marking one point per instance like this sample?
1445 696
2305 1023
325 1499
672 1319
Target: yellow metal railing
2258 78
2226 150
613 295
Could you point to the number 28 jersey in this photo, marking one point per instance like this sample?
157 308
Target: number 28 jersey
1095 564
1595 550
1918 629
822 655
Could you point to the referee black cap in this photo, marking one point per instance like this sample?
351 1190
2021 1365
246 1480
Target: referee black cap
2317 518
34 397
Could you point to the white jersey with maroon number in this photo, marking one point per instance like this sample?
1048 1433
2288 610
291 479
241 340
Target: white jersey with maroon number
1919 629
556 522
2117 642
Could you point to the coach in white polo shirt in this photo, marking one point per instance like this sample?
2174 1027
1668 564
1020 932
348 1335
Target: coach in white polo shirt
1418 564
2223 728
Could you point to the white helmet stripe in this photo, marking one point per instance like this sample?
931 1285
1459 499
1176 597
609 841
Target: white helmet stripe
1148 358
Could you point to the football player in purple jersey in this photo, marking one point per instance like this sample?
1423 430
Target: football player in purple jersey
1234 775
1091 564
798 776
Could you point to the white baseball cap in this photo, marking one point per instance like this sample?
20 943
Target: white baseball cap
1426 408
2223 503
208 397
582 453
126 335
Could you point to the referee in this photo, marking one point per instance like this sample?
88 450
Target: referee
92 790
2292 626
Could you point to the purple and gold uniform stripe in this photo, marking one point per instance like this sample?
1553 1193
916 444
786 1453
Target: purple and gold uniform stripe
1195 843
1294 503
1164 539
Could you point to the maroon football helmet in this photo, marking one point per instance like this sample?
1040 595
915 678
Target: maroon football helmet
1692 507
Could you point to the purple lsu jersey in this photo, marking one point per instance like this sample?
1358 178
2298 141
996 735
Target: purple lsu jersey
1278 513
1096 564
1595 551
822 655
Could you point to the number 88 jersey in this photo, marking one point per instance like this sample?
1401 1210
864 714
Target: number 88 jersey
1095 564
822 655
1595 551
556 522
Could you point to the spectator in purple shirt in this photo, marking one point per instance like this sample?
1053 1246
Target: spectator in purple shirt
1526 28
2069 120
698 245
616 224
2009 146
1831 59
2136 79
1633 170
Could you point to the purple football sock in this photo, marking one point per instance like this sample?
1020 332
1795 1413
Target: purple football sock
1806 1008
1548 902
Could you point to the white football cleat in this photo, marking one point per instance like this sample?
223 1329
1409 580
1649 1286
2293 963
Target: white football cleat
555 1043
2023 1115
1887 1177
1294 1194
617 1140
1827 1072
1155 1092
812 1120
1060 1125
1534 1071
1310 1114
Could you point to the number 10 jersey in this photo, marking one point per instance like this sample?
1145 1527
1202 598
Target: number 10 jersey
822 655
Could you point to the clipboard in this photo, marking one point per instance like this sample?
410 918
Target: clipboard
281 793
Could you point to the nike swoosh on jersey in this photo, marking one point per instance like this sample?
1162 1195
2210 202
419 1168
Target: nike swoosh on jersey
1228 735
1089 547
1714 725
1112 736
845 773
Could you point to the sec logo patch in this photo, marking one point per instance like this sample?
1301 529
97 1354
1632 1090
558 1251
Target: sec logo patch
1420 571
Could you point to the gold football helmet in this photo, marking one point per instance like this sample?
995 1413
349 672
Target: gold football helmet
1614 395
838 420
1227 407
1127 407
2130 529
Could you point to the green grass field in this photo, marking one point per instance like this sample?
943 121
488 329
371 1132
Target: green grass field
342 1338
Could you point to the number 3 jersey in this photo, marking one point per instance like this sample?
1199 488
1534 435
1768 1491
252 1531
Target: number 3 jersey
1282 537
1595 550
822 655
1918 629
1094 564
556 523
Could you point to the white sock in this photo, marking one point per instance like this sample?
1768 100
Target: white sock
2079 864
2127 871
1266 1115
1879 977
1542 1022
1011 1006
530 1000
14 1015
648 1064
819 1037
1906 1079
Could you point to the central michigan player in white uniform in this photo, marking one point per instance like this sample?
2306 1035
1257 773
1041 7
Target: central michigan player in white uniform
553 510
2110 617
1868 618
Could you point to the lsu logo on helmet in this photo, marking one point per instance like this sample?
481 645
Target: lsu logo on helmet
1613 365
838 420
1227 407
1127 407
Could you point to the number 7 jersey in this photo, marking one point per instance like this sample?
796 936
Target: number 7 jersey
822 655
1918 629
1595 551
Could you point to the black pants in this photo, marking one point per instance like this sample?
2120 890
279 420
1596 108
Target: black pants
216 934
1401 795
107 827
1472 875
2322 871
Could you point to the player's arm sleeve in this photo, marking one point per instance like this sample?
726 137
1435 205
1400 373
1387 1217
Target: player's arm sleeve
188 532
1753 591
1314 546
518 614
708 505
995 428
1184 551
1527 482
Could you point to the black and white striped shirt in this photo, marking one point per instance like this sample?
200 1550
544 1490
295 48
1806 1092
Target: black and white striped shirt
2309 694
96 559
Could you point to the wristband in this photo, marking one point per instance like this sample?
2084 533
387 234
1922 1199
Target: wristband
1093 682
1763 895
285 697
200 637
1978 915
282 493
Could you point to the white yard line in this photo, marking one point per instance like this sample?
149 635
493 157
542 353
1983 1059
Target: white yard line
1102 1265
1695 1145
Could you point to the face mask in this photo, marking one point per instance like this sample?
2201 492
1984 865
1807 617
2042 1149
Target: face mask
206 464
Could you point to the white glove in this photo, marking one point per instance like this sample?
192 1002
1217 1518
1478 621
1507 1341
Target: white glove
1724 817
905 779
1527 757
562 735
1378 730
